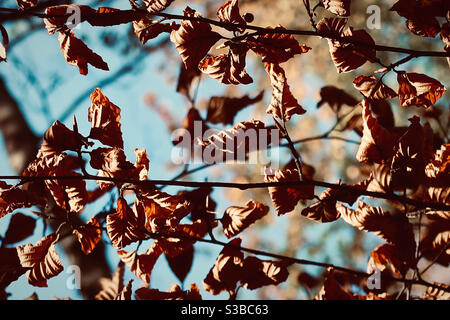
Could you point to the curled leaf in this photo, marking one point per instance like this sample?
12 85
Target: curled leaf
283 104
257 273
372 88
42 259
111 288
193 39
146 29
156 6
89 235
387 256
339 7
20 227
229 12
418 89
236 219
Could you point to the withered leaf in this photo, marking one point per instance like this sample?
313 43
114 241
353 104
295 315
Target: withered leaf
155 6
20 227
111 288
105 120
42 259
257 273
185 80
283 104
439 167
335 98
227 68
146 29
141 264
193 39
372 88
347 56
125 226
236 219
77 53
339 7
89 235
418 89
229 12
224 109
226 271
285 199
26 4
377 144
387 257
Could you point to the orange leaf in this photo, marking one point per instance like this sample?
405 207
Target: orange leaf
141 264
331 290
193 39
439 167
89 235
78 54
229 12
276 48
125 226
42 259
105 120
384 256
283 104
418 89
227 68
237 219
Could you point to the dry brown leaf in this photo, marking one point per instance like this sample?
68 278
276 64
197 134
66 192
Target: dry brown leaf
418 89
89 235
236 219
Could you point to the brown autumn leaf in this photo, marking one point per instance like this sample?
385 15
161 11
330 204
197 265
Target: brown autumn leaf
372 88
3 43
434 244
335 98
408 163
190 134
141 264
236 219
10 269
347 56
229 12
387 257
227 68
331 290
283 104
125 226
226 271
89 235
232 144
156 6
193 39
224 109
198 198
59 138
276 47
105 120
146 29
111 288
181 263
257 273
12 198
418 89
77 53
42 259
377 144
20 227
174 293
394 229
439 167
338 7
436 294
285 199
185 80
27 4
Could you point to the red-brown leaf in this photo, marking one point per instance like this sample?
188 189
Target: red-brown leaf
77 53
111 288
146 29
373 88
181 263
156 6
285 199
105 120
276 47
257 273
339 7
335 98
20 227
42 259
125 226
377 144
237 219
283 104
26 4
226 271
387 256
89 235
224 109
418 89
193 39
439 167
229 12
